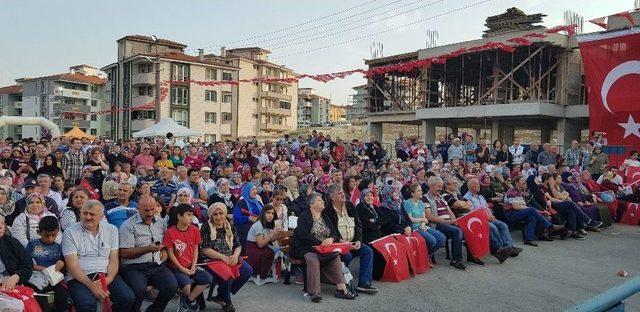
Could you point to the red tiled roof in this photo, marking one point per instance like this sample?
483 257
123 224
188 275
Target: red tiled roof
142 38
72 77
15 89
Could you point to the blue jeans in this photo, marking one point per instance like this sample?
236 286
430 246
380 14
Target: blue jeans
499 235
231 286
201 277
121 296
455 235
366 263
434 238
532 218
138 276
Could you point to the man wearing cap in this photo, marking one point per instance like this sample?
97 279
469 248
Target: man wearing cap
206 181
30 187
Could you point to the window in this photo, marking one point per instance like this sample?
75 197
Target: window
145 90
1 111
255 116
226 117
94 131
227 76
211 74
285 105
144 68
94 89
143 114
210 138
211 118
256 84
211 96
180 96
181 117
94 103
255 100
180 72
226 98
94 117
256 67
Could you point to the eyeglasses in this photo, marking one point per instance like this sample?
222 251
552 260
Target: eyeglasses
185 195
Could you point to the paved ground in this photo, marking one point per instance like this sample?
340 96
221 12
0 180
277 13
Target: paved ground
551 277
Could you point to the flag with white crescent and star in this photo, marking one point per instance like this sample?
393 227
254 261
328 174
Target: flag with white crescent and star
396 266
475 227
612 70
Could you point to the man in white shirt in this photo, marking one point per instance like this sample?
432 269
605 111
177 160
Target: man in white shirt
44 181
206 181
517 151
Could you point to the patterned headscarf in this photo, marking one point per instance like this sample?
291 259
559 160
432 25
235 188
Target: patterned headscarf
226 225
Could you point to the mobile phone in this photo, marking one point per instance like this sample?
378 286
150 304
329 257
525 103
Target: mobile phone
157 243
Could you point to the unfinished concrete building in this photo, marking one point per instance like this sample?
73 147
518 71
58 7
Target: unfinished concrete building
537 87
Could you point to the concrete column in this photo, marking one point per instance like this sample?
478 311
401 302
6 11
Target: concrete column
375 129
495 130
567 130
509 134
545 134
428 131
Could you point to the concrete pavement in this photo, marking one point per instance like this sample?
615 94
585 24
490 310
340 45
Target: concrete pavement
551 277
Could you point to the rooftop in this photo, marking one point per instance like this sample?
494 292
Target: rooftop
75 77
148 39
176 56
15 89
255 49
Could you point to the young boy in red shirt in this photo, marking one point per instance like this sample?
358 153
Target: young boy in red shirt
182 241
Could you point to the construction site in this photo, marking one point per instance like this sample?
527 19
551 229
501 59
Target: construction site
537 87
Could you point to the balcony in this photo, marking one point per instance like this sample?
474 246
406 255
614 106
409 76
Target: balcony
78 94
274 95
276 111
141 100
72 108
143 79
274 127
70 123
139 124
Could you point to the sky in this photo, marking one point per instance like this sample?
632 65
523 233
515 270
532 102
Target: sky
44 37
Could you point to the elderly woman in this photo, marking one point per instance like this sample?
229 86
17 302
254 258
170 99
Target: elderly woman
392 218
7 204
223 195
219 242
573 188
17 263
246 211
25 226
71 214
185 196
314 228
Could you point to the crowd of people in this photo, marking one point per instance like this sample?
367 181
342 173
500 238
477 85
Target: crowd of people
120 222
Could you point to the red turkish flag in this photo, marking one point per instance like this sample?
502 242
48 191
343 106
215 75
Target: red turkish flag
475 227
341 248
631 215
417 252
224 270
632 174
396 266
612 70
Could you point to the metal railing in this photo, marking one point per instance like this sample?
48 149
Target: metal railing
610 300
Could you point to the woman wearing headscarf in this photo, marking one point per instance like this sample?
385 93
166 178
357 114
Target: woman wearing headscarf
393 219
223 195
220 243
7 204
301 203
235 184
572 186
184 196
291 183
49 167
369 216
25 226
246 211
614 206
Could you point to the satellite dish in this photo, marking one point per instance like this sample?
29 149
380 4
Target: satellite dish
154 38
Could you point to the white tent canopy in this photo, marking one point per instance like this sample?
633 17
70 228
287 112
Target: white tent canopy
165 126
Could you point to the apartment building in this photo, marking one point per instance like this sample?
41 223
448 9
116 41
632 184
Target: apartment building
264 108
337 113
11 105
357 108
145 64
316 107
66 99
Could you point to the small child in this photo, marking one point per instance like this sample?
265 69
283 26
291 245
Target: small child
182 241
45 253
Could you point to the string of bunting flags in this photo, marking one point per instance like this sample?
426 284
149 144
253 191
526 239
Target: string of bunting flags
602 21
507 45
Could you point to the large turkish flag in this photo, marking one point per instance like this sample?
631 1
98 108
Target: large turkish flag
631 215
612 70
475 227
396 266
